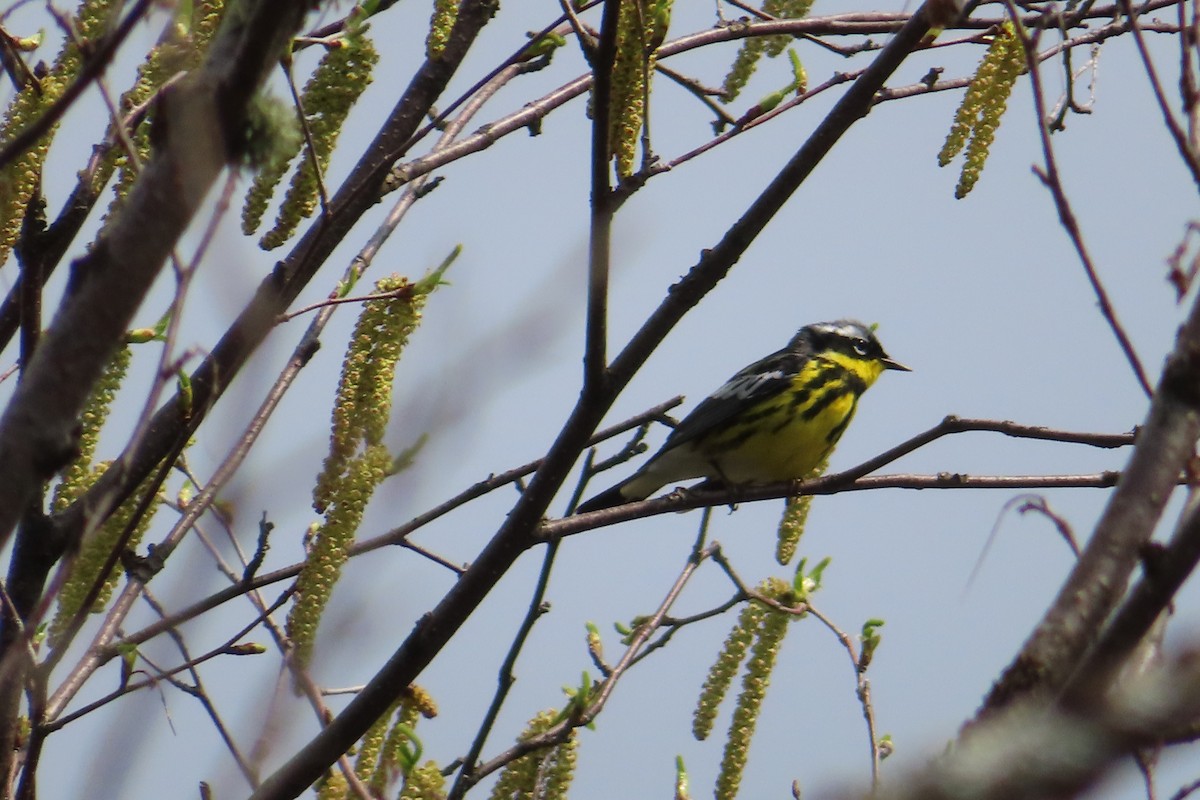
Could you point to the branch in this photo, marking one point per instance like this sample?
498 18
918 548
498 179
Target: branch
532 113
852 479
1186 152
862 688
604 206
103 649
704 496
468 776
1164 572
48 249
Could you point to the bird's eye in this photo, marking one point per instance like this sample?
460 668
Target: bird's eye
860 346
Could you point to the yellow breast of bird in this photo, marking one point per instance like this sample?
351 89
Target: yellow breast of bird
780 442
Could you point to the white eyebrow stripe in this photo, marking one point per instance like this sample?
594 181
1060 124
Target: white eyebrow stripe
847 331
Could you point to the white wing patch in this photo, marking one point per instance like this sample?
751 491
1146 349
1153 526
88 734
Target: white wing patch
743 387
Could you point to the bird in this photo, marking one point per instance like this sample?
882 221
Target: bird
776 419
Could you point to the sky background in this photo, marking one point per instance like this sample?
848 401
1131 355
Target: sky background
984 298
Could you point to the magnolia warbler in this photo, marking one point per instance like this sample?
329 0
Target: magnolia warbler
775 420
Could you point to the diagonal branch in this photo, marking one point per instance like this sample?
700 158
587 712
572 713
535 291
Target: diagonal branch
1165 572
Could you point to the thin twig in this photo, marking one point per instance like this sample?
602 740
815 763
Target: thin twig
333 301
672 625
603 691
310 148
397 536
97 652
1182 142
223 649
505 679
1053 181
183 277
197 690
571 525
1097 583
700 497
862 689
415 187
532 113
951 425
296 363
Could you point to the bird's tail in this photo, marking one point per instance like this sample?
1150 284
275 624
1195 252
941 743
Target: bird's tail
606 499
638 486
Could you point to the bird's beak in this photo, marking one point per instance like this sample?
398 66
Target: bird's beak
890 364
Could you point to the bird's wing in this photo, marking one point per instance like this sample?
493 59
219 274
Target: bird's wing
757 382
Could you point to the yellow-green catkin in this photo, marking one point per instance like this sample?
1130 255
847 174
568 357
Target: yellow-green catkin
560 769
19 180
755 47
744 64
784 9
181 49
445 13
386 751
791 528
94 552
339 80
795 517
330 546
983 106
681 780
370 748
420 701
364 396
78 475
720 675
399 749
426 782
768 639
641 27
206 18
333 787
357 461
76 479
545 773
